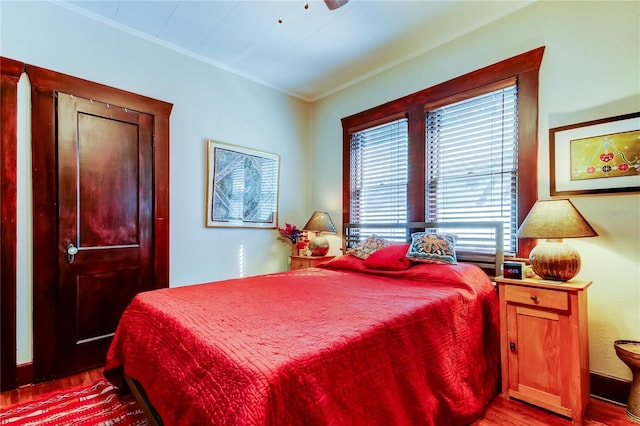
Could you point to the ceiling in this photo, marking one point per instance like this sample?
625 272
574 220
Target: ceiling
314 51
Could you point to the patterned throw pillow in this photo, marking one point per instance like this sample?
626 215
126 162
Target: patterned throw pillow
390 258
364 248
432 248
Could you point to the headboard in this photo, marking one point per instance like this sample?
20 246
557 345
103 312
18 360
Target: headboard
489 262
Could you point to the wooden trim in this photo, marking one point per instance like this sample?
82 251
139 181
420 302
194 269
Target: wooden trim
417 155
512 67
10 72
161 200
45 84
25 374
44 177
478 91
346 177
55 81
527 152
609 388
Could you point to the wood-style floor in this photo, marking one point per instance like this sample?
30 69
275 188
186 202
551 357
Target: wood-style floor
501 412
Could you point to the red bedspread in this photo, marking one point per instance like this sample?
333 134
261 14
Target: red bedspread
316 347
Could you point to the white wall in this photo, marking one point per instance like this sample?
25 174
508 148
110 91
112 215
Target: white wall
590 70
208 104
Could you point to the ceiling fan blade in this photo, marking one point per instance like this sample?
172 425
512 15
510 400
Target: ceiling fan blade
334 4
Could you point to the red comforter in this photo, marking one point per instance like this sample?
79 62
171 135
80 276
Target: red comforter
316 347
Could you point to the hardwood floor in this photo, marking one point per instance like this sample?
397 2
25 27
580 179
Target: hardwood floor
509 412
27 393
501 412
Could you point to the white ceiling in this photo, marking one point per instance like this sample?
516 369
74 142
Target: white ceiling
313 52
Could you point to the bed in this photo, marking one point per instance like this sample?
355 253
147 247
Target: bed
340 344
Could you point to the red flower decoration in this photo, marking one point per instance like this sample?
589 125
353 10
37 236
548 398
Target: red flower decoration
290 232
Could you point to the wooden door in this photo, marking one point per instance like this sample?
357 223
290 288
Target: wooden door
105 236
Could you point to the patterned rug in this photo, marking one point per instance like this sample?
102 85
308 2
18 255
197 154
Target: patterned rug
96 404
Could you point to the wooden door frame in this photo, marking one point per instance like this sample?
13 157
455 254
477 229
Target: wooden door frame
44 86
10 72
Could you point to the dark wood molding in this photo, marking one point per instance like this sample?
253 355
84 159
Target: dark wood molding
10 72
512 67
55 81
527 152
25 374
45 84
609 388
44 178
523 68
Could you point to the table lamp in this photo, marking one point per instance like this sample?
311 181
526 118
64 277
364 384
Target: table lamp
554 220
319 222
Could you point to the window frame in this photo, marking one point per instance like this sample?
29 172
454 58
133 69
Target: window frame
524 68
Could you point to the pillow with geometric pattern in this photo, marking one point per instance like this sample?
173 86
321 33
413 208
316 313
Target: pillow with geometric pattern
432 248
364 248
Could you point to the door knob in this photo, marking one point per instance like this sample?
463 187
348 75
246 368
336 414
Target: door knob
71 252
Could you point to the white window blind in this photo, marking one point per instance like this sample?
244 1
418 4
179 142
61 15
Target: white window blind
471 167
378 186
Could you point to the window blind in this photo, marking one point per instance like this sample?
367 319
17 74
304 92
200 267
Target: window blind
378 181
472 166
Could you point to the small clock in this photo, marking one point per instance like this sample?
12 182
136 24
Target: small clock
513 270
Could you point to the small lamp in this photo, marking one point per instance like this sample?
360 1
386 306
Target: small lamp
319 222
554 220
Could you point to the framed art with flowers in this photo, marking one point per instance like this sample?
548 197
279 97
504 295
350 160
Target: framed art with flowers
595 157
242 187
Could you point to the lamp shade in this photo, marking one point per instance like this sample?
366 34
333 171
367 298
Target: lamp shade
319 222
554 220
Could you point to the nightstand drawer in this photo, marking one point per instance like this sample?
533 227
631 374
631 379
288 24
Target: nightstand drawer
299 263
302 262
537 297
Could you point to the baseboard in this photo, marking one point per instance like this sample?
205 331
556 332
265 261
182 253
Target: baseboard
609 388
24 373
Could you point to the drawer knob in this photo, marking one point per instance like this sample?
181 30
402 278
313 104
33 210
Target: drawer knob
534 298
512 347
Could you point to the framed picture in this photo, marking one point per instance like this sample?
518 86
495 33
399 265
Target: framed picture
596 157
242 187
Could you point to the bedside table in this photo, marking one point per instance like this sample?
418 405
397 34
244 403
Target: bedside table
544 344
302 262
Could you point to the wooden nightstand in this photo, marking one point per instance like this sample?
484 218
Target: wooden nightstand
301 262
544 344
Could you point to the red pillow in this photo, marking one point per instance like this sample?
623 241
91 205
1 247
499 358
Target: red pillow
345 261
389 258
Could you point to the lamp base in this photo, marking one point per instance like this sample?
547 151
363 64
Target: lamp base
555 260
319 246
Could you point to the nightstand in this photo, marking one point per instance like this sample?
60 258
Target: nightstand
544 344
302 262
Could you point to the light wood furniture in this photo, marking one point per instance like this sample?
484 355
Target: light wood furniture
302 262
544 344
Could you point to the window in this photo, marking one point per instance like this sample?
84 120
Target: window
378 189
449 177
471 166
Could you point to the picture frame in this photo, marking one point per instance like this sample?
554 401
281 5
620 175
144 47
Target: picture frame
242 187
595 157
